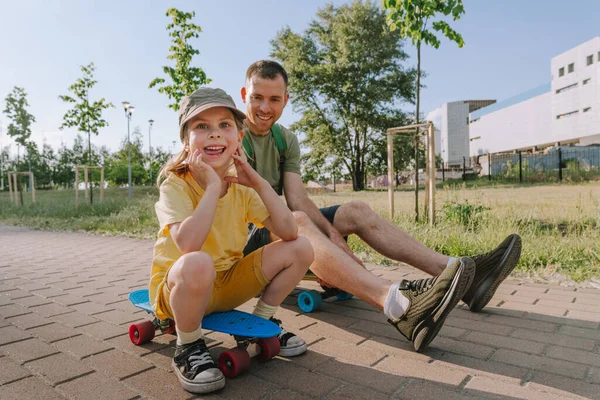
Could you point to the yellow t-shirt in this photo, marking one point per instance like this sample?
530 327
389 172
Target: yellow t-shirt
225 242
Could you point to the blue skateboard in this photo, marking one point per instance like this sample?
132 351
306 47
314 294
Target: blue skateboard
255 336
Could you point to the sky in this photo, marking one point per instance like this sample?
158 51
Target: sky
508 47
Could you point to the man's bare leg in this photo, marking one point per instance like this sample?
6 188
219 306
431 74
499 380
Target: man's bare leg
386 238
491 268
333 265
417 309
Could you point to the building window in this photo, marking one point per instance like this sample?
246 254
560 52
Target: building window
571 67
590 59
586 81
565 115
561 71
566 88
587 109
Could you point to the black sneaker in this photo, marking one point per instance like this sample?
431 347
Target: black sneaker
490 270
290 344
431 300
195 368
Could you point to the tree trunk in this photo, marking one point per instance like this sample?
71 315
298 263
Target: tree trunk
417 133
358 180
360 174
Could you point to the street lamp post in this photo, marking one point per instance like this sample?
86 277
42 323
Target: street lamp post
128 112
150 121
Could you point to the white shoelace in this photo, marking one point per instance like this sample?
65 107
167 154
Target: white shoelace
198 360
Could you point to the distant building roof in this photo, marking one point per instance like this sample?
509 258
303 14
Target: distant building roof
545 88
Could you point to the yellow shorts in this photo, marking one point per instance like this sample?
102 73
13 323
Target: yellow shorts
232 288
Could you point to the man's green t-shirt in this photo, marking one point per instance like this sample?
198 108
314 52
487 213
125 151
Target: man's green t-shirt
267 155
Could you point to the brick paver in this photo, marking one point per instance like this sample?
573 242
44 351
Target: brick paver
64 316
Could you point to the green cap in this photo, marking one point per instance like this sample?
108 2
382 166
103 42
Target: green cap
201 100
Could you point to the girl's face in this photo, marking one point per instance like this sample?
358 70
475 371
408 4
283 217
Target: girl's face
215 134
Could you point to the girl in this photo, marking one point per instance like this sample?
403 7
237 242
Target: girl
198 265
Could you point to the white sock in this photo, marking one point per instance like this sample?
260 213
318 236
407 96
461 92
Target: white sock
264 310
450 261
188 337
395 303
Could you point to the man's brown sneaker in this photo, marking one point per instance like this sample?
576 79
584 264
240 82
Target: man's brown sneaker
431 300
490 270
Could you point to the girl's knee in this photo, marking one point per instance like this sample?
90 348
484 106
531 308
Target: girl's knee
197 270
303 250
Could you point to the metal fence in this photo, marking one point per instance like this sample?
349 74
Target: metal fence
558 164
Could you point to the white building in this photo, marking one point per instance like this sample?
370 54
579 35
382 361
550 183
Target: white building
565 111
451 123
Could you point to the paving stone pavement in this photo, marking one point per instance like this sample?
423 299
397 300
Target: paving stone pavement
64 316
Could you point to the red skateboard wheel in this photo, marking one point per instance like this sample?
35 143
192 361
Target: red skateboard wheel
141 333
234 362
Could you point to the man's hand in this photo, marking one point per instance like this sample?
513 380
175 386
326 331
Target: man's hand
339 241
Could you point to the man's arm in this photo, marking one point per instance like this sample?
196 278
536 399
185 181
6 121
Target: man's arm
297 200
280 221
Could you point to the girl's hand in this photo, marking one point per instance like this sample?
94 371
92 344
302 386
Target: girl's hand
200 167
246 175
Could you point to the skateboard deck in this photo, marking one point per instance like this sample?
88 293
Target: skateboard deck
233 322
255 336
310 300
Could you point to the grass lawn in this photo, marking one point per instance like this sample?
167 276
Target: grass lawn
558 223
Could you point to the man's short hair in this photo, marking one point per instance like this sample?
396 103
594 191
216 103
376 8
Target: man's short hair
267 69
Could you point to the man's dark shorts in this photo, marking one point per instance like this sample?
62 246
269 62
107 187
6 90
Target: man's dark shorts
259 237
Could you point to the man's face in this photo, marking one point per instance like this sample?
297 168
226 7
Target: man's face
265 100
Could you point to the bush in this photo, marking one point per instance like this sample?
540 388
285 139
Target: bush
463 213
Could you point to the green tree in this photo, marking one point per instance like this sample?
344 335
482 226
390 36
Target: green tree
78 151
185 78
47 166
21 119
64 175
347 80
404 155
42 163
116 164
66 159
86 116
5 166
411 18
159 159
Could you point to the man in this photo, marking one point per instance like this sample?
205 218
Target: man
416 308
